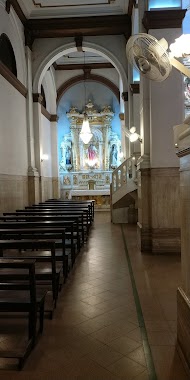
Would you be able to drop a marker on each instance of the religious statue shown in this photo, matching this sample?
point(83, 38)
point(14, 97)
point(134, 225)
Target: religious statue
point(113, 158)
point(68, 156)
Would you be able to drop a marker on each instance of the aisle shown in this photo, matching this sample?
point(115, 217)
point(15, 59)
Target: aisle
point(95, 333)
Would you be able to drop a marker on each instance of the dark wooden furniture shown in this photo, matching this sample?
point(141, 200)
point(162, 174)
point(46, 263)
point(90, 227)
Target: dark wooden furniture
point(21, 297)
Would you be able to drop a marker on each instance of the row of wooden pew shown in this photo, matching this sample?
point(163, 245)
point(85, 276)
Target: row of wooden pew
point(38, 248)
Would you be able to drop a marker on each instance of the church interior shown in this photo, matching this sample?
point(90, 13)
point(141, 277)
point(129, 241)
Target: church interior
point(94, 189)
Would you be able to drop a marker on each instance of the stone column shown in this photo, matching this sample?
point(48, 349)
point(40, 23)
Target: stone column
point(33, 174)
point(158, 209)
point(54, 158)
point(106, 153)
point(143, 163)
point(37, 99)
point(125, 143)
point(182, 138)
point(101, 155)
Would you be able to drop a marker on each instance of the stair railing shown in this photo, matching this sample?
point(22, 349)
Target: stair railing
point(125, 172)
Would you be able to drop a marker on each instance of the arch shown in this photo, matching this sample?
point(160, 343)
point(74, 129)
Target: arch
point(91, 77)
point(11, 26)
point(71, 47)
point(7, 56)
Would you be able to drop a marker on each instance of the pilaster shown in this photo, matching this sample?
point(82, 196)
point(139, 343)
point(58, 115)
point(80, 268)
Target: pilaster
point(182, 139)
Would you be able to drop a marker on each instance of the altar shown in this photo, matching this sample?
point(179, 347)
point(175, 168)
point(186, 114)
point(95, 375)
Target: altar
point(85, 170)
point(101, 197)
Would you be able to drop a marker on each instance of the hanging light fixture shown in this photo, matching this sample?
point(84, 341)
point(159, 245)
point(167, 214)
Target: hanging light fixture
point(85, 133)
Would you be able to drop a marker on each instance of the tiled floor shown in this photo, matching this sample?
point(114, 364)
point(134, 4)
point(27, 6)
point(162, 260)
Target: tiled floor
point(95, 333)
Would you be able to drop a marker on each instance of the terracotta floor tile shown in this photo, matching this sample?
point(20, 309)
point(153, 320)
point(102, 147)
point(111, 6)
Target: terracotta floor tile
point(126, 368)
point(124, 345)
point(94, 334)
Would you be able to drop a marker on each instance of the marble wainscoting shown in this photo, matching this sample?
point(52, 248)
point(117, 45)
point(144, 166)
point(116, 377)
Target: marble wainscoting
point(46, 188)
point(144, 210)
point(13, 192)
point(33, 190)
point(55, 187)
point(158, 210)
point(183, 327)
point(165, 194)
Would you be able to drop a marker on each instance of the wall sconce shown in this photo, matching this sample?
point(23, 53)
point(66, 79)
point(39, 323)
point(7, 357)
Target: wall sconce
point(44, 157)
point(133, 135)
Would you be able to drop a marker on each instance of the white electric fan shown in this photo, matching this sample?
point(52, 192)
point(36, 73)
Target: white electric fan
point(151, 58)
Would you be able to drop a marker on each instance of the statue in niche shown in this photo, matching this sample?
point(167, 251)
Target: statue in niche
point(68, 155)
point(113, 156)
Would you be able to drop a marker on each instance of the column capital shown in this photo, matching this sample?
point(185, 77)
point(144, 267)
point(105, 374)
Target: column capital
point(37, 98)
point(54, 118)
point(135, 88)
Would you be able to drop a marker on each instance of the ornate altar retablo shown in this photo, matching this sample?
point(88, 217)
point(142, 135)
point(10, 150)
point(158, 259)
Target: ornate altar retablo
point(89, 166)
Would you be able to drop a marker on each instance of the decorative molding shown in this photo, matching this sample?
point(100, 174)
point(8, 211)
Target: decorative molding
point(37, 98)
point(135, 88)
point(183, 152)
point(166, 240)
point(132, 4)
point(45, 113)
point(92, 77)
point(81, 66)
point(39, 4)
point(54, 118)
point(77, 26)
point(17, 9)
point(165, 172)
point(163, 19)
point(10, 77)
point(125, 96)
point(145, 172)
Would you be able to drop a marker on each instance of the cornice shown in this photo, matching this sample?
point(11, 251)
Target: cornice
point(77, 27)
point(37, 98)
point(81, 66)
point(48, 115)
point(163, 19)
point(10, 77)
point(17, 8)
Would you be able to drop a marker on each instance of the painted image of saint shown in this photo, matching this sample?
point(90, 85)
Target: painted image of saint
point(92, 152)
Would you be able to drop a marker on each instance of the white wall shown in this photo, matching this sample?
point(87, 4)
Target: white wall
point(45, 146)
point(13, 28)
point(13, 140)
point(167, 104)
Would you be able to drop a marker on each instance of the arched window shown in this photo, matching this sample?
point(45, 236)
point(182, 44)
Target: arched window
point(7, 56)
point(44, 97)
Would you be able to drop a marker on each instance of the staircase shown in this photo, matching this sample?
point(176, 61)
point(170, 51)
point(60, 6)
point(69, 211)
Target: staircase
point(124, 193)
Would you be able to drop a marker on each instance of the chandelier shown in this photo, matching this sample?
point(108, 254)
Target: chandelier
point(85, 133)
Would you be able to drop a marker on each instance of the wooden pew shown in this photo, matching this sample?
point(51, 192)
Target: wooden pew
point(42, 274)
point(30, 222)
point(54, 233)
point(19, 297)
point(74, 202)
